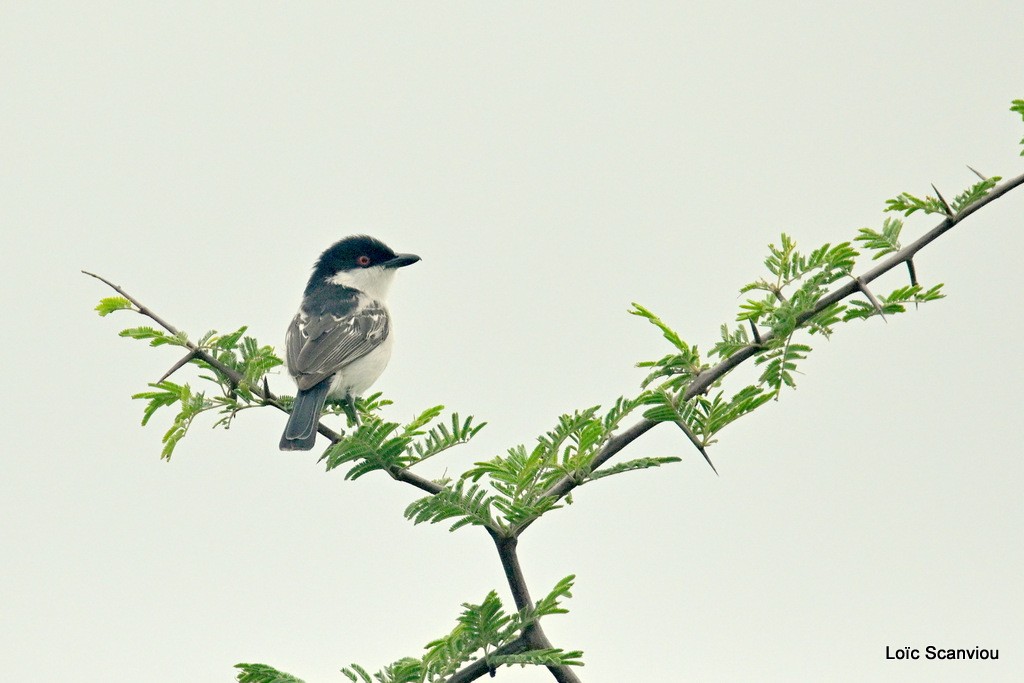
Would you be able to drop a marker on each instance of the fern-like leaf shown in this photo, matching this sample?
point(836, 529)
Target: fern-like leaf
point(155, 337)
point(732, 341)
point(372, 447)
point(885, 242)
point(907, 204)
point(469, 503)
point(109, 304)
point(546, 657)
point(261, 673)
point(632, 466)
point(974, 193)
point(440, 437)
point(356, 674)
point(780, 364)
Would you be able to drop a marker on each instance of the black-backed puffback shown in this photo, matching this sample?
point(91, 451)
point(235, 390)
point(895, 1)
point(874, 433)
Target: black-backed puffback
point(340, 340)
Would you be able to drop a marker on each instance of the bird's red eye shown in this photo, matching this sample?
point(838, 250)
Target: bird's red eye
point(363, 261)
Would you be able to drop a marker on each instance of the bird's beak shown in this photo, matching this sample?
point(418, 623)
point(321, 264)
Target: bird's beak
point(401, 260)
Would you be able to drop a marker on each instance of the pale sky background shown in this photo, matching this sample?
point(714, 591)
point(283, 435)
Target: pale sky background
point(550, 162)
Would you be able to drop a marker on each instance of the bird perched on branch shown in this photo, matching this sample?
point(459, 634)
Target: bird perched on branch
point(340, 340)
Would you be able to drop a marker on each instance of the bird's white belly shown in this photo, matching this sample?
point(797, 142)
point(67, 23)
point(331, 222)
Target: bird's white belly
point(358, 376)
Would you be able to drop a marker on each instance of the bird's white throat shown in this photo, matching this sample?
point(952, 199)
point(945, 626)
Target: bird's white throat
point(374, 282)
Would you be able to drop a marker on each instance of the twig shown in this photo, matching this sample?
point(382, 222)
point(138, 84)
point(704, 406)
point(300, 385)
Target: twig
point(402, 474)
point(235, 377)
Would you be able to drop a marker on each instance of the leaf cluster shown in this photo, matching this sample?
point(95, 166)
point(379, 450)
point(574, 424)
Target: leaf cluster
point(519, 481)
point(190, 404)
point(886, 241)
point(378, 444)
point(484, 630)
point(824, 265)
point(907, 203)
point(799, 282)
point(467, 503)
point(791, 305)
point(507, 492)
point(108, 305)
point(261, 673)
point(794, 301)
point(704, 415)
point(1018, 106)
point(231, 394)
point(681, 366)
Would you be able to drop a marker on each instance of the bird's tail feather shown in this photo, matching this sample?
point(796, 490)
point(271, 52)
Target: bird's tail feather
point(300, 432)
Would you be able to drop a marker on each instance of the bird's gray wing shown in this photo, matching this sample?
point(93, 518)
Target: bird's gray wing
point(318, 345)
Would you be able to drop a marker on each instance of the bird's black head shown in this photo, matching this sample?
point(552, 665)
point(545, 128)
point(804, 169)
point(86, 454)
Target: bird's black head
point(357, 253)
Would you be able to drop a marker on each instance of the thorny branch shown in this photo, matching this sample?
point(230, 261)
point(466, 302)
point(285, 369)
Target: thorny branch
point(705, 379)
point(533, 636)
point(268, 397)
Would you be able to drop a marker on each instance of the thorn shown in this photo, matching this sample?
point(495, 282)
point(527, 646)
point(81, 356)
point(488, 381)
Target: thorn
point(913, 277)
point(757, 335)
point(913, 271)
point(975, 172)
point(945, 205)
point(697, 444)
point(871, 297)
point(177, 366)
point(266, 387)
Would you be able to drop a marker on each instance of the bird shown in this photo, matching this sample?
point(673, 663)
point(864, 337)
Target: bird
point(340, 340)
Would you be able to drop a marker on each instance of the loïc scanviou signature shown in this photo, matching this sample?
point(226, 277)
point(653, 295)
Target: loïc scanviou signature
point(935, 652)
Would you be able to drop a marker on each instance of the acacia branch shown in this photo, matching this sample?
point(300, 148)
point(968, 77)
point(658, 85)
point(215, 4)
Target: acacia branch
point(702, 382)
point(532, 637)
point(261, 390)
point(506, 546)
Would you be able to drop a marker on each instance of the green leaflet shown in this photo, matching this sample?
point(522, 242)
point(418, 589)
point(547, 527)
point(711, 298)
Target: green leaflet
point(113, 303)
